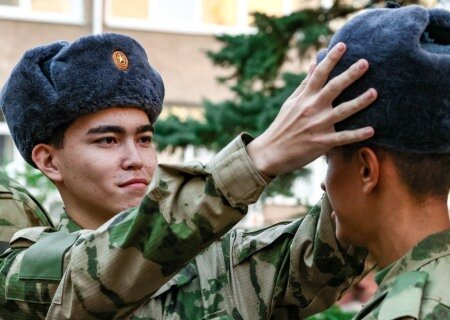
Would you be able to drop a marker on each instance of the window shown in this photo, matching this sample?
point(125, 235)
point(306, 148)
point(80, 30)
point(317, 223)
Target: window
point(220, 12)
point(6, 150)
point(6, 144)
point(191, 16)
point(133, 9)
point(57, 11)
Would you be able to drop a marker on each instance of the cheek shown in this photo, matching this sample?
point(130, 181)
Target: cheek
point(334, 189)
point(150, 163)
point(328, 181)
point(99, 171)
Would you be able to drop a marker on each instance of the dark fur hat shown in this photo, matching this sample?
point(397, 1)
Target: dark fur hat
point(56, 83)
point(408, 50)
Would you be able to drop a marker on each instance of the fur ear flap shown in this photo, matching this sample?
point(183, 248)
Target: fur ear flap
point(38, 66)
point(27, 89)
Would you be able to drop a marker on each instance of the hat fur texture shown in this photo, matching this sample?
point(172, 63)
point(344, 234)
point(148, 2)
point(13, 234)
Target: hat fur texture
point(56, 83)
point(408, 50)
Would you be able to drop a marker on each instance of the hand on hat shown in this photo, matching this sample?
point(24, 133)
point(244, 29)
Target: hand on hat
point(304, 128)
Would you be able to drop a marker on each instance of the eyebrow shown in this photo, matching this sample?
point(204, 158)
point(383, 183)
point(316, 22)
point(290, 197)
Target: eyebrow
point(118, 129)
point(145, 128)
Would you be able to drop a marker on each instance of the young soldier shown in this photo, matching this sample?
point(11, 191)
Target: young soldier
point(399, 180)
point(83, 114)
point(18, 210)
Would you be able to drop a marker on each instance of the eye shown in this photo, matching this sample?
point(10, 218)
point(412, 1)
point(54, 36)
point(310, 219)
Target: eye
point(145, 139)
point(106, 141)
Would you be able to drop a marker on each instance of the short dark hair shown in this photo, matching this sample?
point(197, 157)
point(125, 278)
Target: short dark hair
point(57, 138)
point(423, 174)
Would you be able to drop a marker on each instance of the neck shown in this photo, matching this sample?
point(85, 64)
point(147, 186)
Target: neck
point(86, 217)
point(85, 221)
point(404, 222)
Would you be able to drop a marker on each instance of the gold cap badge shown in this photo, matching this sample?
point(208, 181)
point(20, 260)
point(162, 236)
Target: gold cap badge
point(120, 60)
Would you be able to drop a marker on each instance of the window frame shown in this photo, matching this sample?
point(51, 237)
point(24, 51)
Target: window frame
point(24, 12)
point(189, 27)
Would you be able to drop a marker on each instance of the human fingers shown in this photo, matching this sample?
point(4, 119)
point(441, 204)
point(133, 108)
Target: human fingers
point(348, 136)
point(303, 84)
point(323, 69)
point(346, 109)
point(336, 85)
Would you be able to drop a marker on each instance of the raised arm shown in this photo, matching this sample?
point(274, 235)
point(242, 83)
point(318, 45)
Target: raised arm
point(112, 269)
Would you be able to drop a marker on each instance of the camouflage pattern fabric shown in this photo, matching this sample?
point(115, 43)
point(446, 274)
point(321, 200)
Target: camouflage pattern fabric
point(140, 264)
point(113, 269)
point(287, 271)
point(18, 210)
point(416, 286)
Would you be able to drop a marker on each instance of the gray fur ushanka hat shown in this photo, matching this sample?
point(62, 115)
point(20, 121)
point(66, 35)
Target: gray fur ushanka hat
point(56, 83)
point(408, 50)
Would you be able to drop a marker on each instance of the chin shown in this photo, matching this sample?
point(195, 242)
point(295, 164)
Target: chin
point(136, 200)
point(342, 237)
point(342, 240)
point(352, 239)
point(131, 203)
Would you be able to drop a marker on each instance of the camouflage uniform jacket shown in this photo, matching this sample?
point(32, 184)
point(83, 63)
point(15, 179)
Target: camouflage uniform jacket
point(18, 210)
point(415, 287)
point(288, 271)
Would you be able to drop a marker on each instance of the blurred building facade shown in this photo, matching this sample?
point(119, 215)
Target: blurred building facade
point(176, 35)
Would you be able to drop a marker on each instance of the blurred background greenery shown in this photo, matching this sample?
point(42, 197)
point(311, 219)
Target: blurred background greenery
point(256, 65)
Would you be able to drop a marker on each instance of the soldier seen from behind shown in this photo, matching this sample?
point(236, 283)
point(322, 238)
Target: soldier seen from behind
point(389, 193)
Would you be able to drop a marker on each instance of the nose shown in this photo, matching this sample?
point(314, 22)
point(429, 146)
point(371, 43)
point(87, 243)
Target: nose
point(322, 185)
point(132, 159)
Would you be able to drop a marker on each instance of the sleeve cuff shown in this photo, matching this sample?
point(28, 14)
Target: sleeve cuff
point(235, 175)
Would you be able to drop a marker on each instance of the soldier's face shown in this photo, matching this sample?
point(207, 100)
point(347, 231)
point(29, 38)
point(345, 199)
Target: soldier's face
point(343, 186)
point(107, 162)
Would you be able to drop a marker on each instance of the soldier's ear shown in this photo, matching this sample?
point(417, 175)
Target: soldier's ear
point(43, 156)
point(369, 172)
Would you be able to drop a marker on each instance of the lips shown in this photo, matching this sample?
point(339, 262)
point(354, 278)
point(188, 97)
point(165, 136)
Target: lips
point(134, 181)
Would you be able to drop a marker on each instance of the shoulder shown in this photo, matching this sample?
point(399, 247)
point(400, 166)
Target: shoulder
point(29, 281)
point(18, 210)
point(436, 295)
point(18, 207)
point(10, 188)
point(419, 294)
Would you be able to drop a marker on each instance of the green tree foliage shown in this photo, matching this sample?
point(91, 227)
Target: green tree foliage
point(257, 79)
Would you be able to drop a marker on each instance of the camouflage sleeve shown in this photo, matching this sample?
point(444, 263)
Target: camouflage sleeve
point(294, 269)
point(437, 310)
point(18, 210)
point(118, 266)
